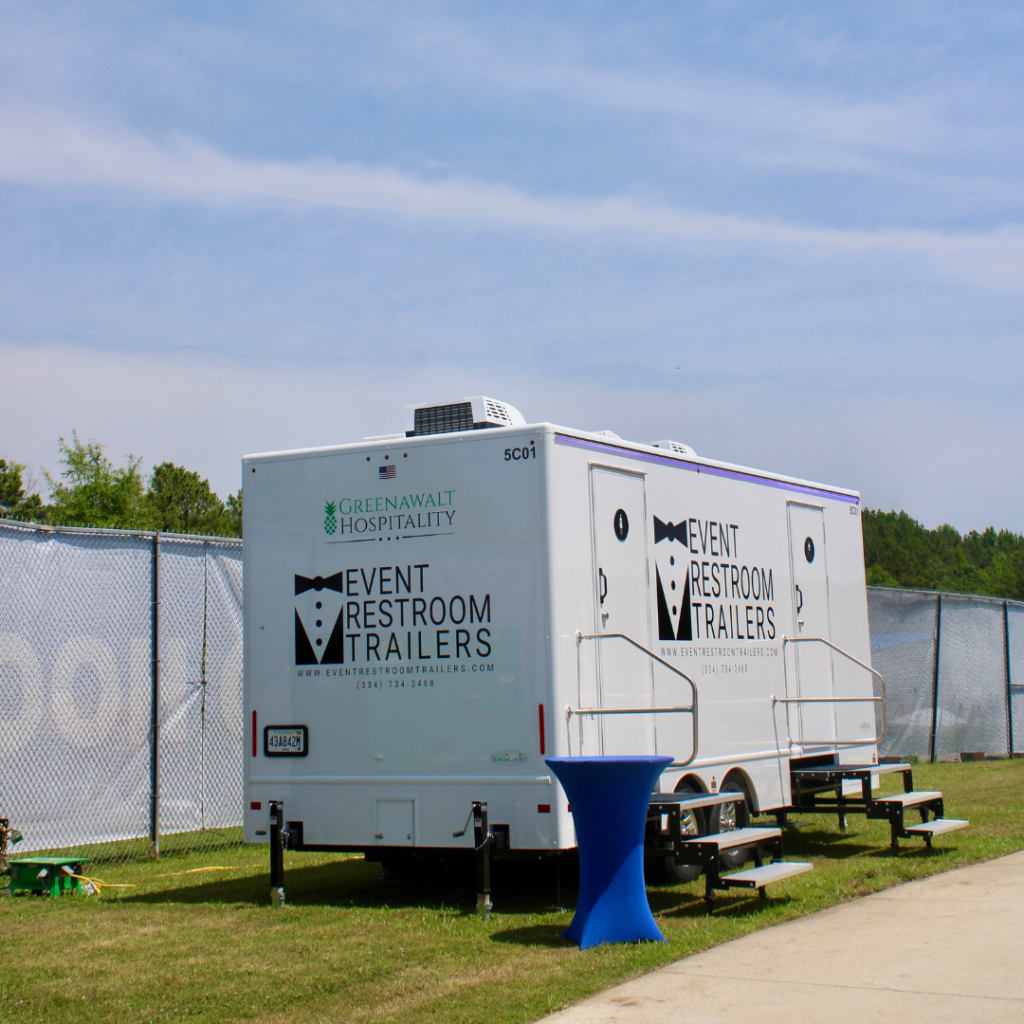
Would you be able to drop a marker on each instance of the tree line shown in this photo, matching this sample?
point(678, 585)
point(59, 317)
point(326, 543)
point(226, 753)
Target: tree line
point(89, 490)
point(900, 552)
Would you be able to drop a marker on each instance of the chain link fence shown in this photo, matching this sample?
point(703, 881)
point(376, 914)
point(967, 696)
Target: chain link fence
point(120, 690)
point(121, 686)
point(954, 668)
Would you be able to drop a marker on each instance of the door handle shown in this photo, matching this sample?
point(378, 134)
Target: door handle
point(602, 584)
point(800, 605)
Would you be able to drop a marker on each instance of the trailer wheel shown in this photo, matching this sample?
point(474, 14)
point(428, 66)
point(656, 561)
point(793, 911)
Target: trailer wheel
point(726, 818)
point(667, 870)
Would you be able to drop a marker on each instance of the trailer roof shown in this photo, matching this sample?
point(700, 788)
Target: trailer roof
point(583, 439)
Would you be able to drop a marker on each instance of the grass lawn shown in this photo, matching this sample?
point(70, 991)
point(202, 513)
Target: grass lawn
point(192, 945)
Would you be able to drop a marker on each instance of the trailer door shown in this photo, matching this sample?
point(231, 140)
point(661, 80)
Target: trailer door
point(812, 724)
point(619, 534)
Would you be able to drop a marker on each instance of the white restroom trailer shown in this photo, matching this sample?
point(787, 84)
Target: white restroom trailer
point(421, 612)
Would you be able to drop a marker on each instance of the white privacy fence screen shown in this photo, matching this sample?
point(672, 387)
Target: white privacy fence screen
point(121, 685)
point(120, 688)
point(954, 668)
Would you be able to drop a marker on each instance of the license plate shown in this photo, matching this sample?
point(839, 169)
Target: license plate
point(285, 741)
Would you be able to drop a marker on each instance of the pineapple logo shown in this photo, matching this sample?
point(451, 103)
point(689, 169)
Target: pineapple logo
point(330, 520)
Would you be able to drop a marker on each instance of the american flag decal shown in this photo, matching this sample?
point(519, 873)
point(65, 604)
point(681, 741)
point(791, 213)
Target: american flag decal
point(386, 472)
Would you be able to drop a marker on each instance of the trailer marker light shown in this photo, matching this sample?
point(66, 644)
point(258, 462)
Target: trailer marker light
point(256, 805)
point(540, 715)
point(543, 808)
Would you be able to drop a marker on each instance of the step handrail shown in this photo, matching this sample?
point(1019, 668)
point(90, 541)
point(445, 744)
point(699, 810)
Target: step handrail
point(581, 713)
point(831, 700)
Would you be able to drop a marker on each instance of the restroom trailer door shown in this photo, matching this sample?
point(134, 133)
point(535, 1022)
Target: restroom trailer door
point(619, 539)
point(813, 724)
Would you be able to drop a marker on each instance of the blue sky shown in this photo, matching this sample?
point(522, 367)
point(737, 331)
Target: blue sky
point(789, 236)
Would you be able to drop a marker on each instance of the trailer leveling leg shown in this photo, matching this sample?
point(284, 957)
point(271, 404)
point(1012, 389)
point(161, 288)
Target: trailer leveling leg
point(278, 841)
point(482, 848)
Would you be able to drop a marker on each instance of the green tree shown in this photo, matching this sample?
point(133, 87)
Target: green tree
point(181, 502)
point(14, 502)
point(92, 491)
point(900, 552)
point(235, 512)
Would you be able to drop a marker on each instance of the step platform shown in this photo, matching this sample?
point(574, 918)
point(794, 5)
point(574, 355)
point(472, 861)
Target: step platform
point(811, 784)
point(673, 806)
point(847, 771)
point(893, 806)
point(707, 851)
point(909, 800)
point(692, 801)
point(737, 838)
point(929, 829)
point(758, 878)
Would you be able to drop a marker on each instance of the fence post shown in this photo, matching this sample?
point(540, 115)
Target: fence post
point(1009, 682)
point(935, 681)
point(154, 815)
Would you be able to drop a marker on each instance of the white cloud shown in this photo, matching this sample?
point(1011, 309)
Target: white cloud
point(940, 462)
point(45, 147)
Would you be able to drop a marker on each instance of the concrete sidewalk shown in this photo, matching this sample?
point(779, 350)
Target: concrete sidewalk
point(947, 948)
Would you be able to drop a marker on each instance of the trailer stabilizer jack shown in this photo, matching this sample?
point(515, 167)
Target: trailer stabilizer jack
point(483, 839)
point(278, 842)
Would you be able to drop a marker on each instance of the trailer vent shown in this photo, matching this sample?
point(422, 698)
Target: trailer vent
point(676, 447)
point(479, 413)
point(443, 419)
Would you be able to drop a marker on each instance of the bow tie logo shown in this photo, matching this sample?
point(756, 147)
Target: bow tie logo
point(335, 583)
point(312, 651)
point(663, 531)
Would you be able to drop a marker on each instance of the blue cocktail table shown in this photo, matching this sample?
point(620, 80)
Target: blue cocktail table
point(609, 798)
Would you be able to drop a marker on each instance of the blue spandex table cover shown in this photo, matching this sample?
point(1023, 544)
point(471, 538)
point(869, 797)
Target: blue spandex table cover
point(609, 798)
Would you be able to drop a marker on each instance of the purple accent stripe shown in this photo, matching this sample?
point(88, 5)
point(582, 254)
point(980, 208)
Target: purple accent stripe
point(818, 492)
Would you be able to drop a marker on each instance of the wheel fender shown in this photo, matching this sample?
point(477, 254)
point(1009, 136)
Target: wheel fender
point(742, 779)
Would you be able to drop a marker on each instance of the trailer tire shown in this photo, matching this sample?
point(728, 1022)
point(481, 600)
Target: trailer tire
point(667, 870)
point(726, 818)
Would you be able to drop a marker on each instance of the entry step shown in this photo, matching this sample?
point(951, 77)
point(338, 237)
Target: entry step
point(913, 799)
point(737, 837)
point(691, 801)
point(757, 878)
point(849, 770)
point(937, 827)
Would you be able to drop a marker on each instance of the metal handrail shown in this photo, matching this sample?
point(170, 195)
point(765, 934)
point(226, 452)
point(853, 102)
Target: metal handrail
point(831, 700)
point(690, 709)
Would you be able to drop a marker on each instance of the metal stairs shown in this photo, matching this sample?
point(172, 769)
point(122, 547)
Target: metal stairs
point(706, 851)
point(811, 784)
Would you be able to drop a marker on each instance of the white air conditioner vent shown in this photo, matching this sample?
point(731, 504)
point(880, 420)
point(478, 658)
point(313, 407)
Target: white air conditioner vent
point(608, 433)
point(675, 446)
point(477, 413)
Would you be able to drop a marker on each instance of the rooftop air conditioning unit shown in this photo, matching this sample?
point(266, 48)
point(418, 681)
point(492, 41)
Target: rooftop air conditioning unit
point(676, 447)
point(479, 413)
